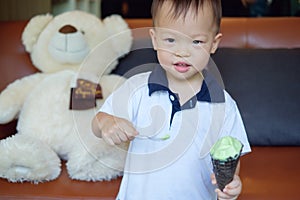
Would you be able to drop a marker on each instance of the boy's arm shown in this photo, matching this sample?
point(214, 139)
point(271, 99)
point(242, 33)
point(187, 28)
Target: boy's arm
point(233, 126)
point(113, 130)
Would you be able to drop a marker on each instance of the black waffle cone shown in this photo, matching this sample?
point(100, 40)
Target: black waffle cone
point(224, 171)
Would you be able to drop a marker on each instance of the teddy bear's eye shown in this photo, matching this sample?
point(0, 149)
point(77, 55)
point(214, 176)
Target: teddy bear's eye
point(82, 32)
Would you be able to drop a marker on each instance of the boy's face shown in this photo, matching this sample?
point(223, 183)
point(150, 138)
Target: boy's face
point(184, 45)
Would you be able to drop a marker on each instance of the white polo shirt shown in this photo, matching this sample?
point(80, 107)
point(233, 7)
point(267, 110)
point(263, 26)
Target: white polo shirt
point(178, 167)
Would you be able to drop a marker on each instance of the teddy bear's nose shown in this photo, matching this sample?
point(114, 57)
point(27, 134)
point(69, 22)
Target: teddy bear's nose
point(68, 45)
point(67, 29)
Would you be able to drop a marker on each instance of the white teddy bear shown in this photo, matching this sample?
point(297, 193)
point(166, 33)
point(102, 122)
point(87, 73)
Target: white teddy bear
point(55, 107)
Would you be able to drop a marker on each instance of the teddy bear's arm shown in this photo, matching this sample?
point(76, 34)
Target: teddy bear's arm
point(14, 95)
point(109, 83)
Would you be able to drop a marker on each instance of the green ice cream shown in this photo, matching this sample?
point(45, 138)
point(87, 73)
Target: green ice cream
point(226, 147)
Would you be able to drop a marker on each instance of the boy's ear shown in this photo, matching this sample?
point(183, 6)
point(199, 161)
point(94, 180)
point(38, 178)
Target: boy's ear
point(216, 42)
point(153, 38)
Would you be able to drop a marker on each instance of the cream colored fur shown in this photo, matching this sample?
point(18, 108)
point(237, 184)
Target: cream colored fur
point(47, 130)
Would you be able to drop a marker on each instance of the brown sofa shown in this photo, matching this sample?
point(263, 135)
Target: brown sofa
point(271, 171)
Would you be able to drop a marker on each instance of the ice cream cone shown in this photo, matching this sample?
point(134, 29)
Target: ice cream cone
point(225, 156)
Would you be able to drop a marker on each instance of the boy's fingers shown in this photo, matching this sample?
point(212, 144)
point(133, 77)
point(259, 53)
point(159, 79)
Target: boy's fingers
point(131, 134)
point(213, 179)
point(117, 137)
point(232, 185)
point(129, 131)
point(234, 188)
point(235, 183)
point(111, 138)
point(222, 195)
point(108, 141)
point(231, 190)
point(123, 137)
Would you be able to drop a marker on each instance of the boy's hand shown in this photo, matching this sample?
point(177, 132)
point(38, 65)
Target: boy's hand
point(113, 130)
point(231, 190)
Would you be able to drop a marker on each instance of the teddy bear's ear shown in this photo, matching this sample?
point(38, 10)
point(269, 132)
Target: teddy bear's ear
point(118, 28)
point(33, 29)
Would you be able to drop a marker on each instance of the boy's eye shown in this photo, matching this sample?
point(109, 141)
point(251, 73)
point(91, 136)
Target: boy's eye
point(197, 42)
point(170, 40)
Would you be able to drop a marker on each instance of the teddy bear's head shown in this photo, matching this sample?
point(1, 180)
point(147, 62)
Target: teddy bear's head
point(64, 41)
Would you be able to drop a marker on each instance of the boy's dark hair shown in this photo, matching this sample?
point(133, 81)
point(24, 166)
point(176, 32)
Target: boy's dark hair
point(181, 7)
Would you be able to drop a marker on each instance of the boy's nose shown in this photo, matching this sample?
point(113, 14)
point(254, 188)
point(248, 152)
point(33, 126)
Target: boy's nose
point(182, 53)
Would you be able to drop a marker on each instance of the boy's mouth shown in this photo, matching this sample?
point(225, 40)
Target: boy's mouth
point(182, 67)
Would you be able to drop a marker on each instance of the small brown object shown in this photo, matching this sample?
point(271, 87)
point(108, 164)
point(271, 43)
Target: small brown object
point(84, 95)
point(68, 29)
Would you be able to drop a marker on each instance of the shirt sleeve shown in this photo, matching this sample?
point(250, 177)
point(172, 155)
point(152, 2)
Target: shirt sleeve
point(118, 103)
point(234, 126)
point(123, 102)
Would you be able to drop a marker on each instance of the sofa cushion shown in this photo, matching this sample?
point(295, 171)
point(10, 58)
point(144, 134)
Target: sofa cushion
point(266, 85)
point(264, 82)
point(141, 58)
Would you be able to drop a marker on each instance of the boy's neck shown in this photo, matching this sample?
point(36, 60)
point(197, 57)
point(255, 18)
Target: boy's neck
point(186, 89)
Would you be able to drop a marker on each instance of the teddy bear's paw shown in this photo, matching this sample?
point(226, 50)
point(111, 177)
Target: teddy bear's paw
point(7, 114)
point(8, 108)
point(92, 169)
point(20, 173)
point(96, 172)
point(24, 173)
point(23, 158)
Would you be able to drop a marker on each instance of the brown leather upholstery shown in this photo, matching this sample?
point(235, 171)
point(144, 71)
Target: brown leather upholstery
point(267, 173)
point(251, 32)
point(262, 33)
point(270, 173)
point(61, 188)
point(237, 33)
point(14, 61)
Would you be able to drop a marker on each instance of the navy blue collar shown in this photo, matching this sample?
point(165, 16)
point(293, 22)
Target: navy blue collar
point(210, 90)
